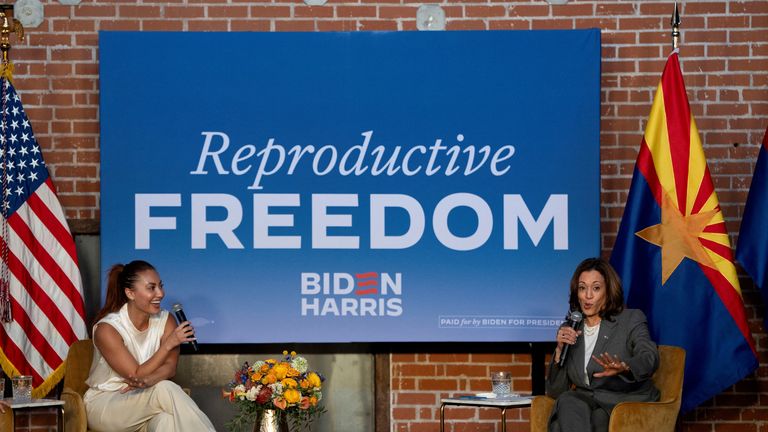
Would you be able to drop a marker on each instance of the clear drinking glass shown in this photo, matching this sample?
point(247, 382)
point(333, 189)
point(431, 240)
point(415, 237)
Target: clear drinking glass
point(22, 388)
point(501, 382)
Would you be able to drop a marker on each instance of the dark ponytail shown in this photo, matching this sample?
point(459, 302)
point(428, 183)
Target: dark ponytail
point(119, 278)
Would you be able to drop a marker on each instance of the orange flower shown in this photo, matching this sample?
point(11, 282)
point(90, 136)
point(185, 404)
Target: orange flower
point(280, 370)
point(292, 396)
point(313, 400)
point(304, 383)
point(289, 383)
point(279, 402)
point(269, 379)
point(228, 395)
point(304, 403)
point(314, 380)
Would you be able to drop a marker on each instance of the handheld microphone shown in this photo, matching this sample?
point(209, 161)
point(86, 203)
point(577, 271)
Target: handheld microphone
point(180, 317)
point(573, 321)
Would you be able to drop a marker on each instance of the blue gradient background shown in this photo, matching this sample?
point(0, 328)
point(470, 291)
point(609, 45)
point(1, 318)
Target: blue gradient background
point(536, 90)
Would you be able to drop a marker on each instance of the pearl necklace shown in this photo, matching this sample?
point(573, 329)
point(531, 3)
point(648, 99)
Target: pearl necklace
point(590, 331)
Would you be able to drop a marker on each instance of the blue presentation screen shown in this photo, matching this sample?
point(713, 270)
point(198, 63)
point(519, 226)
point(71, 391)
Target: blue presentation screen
point(354, 187)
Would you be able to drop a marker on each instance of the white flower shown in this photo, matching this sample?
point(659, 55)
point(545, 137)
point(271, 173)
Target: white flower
point(238, 390)
point(300, 364)
point(277, 388)
point(256, 366)
point(252, 393)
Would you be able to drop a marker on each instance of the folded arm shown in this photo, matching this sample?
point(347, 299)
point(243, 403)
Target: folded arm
point(162, 364)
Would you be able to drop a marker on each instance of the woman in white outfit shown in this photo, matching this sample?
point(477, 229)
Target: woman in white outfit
point(137, 347)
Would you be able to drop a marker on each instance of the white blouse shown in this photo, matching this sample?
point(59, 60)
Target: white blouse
point(590, 339)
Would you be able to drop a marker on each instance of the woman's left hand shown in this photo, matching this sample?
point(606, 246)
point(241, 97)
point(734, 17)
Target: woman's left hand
point(612, 365)
point(134, 383)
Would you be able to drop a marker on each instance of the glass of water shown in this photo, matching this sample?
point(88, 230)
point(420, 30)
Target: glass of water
point(22, 388)
point(501, 383)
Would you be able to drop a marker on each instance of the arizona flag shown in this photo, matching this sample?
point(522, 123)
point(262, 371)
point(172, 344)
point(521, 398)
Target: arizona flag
point(752, 248)
point(673, 253)
point(41, 295)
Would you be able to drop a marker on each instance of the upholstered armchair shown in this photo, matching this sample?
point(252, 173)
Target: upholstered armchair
point(75, 373)
point(636, 416)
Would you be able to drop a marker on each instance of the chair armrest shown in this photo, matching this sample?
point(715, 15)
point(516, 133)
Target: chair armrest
point(75, 418)
point(541, 408)
point(651, 416)
point(6, 420)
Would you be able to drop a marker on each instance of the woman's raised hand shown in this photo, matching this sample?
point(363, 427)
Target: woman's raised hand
point(612, 365)
point(184, 332)
point(566, 335)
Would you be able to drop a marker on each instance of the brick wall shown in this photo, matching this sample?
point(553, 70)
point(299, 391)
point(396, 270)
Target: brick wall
point(724, 59)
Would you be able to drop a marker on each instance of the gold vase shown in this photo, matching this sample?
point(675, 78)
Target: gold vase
point(270, 421)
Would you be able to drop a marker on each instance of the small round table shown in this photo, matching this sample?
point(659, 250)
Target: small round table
point(483, 402)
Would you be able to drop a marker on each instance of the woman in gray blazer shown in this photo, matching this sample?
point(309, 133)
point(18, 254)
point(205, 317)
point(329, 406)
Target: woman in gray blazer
point(611, 357)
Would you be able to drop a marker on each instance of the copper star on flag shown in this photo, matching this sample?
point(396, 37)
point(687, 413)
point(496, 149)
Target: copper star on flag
point(678, 237)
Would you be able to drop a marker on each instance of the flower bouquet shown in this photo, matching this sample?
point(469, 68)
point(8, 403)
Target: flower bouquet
point(286, 386)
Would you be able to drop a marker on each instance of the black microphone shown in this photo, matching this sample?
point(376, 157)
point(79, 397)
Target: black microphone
point(573, 321)
point(180, 317)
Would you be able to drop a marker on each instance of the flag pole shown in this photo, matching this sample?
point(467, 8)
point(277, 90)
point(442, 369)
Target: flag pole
point(675, 29)
point(8, 25)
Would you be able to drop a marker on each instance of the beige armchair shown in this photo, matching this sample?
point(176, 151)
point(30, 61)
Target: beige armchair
point(76, 372)
point(635, 416)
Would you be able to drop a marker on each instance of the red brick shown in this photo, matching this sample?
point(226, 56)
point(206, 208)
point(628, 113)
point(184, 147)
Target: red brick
point(74, 200)
point(134, 11)
point(644, 23)
point(208, 25)
point(83, 186)
point(614, 9)
point(601, 23)
point(250, 25)
point(86, 10)
point(74, 25)
point(382, 25)
point(749, 7)
point(472, 370)
point(573, 9)
point(449, 358)
point(119, 25)
point(438, 384)
point(509, 24)
point(485, 11)
point(526, 11)
point(295, 25)
point(356, 11)
point(312, 12)
point(410, 398)
point(551, 24)
point(228, 11)
point(338, 25)
point(185, 11)
point(415, 369)
point(403, 413)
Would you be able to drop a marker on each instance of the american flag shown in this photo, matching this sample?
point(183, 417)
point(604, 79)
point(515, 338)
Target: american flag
point(41, 294)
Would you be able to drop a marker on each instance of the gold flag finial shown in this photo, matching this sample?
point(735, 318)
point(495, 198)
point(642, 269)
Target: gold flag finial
point(675, 28)
point(8, 25)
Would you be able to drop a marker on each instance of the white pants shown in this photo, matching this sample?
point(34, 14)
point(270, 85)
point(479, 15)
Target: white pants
point(162, 407)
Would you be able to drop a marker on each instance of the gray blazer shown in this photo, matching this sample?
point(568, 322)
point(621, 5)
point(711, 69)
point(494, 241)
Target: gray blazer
point(625, 335)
